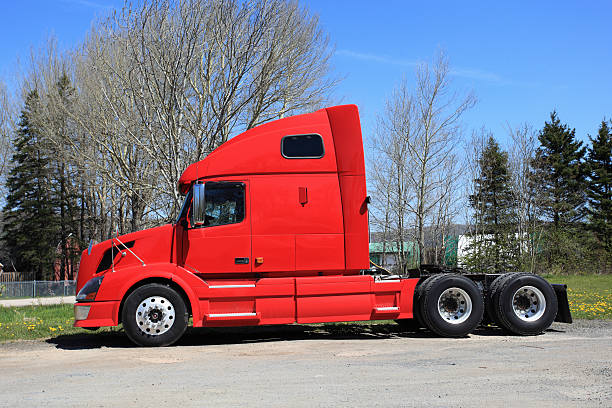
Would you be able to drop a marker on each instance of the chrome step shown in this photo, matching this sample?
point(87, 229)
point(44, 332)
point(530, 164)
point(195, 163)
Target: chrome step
point(387, 309)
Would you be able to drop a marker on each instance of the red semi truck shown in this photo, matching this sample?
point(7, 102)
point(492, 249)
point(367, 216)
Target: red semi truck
point(274, 230)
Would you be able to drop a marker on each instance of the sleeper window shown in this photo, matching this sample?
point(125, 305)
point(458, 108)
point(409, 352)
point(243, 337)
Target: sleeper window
point(302, 147)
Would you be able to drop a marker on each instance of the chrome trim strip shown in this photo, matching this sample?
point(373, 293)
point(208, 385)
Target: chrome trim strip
point(231, 314)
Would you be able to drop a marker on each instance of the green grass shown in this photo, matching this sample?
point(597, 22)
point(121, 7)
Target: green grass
point(36, 322)
point(590, 297)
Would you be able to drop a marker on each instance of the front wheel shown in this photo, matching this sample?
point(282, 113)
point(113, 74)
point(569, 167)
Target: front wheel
point(154, 315)
point(451, 305)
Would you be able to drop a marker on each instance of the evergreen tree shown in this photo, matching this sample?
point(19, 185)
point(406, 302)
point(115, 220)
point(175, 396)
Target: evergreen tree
point(558, 176)
point(559, 172)
point(63, 180)
point(493, 248)
point(599, 186)
point(30, 221)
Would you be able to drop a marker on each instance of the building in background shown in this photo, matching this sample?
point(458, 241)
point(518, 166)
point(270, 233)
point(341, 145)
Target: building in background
point(386, 254)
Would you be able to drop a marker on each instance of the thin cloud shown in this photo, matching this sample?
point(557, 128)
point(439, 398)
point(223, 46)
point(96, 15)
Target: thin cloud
point(468, 73)
point(383, 59)
point(476, 74)
point(87, 3)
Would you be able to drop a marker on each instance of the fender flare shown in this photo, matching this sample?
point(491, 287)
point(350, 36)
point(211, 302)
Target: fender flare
point(128, 279)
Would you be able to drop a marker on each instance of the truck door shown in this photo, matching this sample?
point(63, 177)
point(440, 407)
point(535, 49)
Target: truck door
point(223, 244)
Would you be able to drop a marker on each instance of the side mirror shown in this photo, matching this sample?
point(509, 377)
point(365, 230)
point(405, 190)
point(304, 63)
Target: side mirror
point(198, 209)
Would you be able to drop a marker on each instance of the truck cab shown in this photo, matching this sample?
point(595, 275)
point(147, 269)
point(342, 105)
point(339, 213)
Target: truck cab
point(273, 230)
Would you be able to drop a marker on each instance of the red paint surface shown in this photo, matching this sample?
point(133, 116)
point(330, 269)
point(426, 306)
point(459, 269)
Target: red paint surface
point(306, 220)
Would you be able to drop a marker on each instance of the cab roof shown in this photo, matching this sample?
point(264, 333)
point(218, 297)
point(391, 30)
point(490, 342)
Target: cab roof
point(258, 150)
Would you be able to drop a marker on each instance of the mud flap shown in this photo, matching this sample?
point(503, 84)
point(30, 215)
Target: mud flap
point(563, 311)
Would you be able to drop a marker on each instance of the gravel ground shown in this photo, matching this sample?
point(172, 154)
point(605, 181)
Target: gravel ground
point(309, 366)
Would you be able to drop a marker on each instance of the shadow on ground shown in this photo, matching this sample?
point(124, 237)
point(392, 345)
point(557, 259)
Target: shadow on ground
point(258, 334)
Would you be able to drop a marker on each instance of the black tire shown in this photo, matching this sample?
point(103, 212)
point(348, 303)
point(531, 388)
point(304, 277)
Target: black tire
point(518, 304)
point(154, 315)
point(493, 289)
point(462, 313)
point(416, 302)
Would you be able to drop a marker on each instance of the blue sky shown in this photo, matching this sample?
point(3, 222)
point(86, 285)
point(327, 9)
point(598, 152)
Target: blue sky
point(521, 59)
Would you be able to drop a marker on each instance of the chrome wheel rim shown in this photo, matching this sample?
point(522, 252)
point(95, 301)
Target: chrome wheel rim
point(155, 315)
point(454, 305)
point(528, 303)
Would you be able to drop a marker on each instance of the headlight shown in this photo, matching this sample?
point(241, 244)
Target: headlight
point(90, 290)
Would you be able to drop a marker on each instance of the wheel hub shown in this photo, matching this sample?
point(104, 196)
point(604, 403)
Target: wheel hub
point(528, 303)
point(155, 315)
point(454, 305)
point(450, 304)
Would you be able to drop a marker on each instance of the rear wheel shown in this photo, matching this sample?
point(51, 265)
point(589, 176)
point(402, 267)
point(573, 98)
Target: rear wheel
point(154, 315)
point(525, 304)
point(451, 305)
point(493, 289)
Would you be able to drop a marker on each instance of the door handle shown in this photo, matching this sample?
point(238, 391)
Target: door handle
point(303, 193)
point(241, 261)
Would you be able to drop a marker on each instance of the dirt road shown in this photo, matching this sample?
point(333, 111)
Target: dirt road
point(310, 366)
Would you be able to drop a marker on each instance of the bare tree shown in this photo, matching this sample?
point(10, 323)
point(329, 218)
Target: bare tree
point(528, 229)
point(390, 167)
point(431, 146)
point(160, 84)
point(175, 80)
point(7, 116)
point(419, 133)
point(445, 211)
point(386, 216)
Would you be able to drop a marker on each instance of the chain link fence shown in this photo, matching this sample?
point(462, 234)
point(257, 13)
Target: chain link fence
point(37, 289)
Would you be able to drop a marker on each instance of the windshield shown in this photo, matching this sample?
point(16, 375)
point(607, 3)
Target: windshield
point(184, 207)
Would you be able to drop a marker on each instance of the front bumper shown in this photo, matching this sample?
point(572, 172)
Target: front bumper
point(96, 314)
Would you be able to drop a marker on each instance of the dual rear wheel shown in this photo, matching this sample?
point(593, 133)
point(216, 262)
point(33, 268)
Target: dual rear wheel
point(522, 303)
point(450, 305)
point(453, 305)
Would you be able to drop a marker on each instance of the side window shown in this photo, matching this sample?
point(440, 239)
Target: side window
point(224, 203)
point(302, 147)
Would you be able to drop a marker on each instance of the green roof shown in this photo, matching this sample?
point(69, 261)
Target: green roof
point(391, 247)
